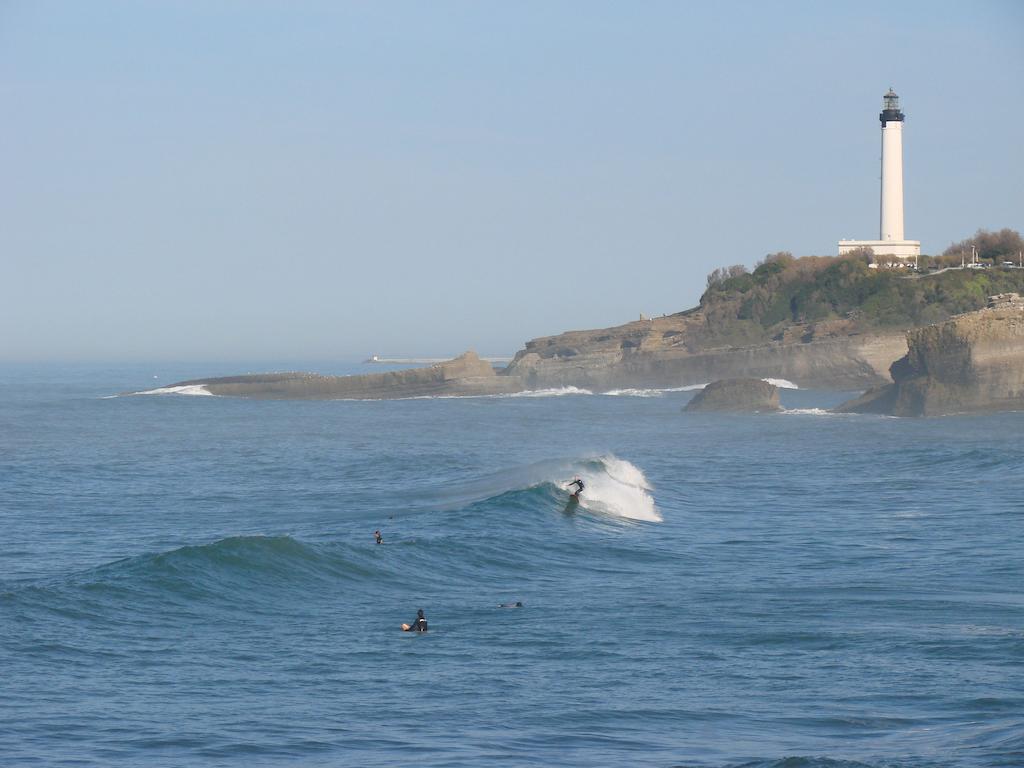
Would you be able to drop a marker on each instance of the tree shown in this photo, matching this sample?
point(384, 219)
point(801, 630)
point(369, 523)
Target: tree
point(781, 258)
point(863, 253)
point(722, 274)
point(999, 246)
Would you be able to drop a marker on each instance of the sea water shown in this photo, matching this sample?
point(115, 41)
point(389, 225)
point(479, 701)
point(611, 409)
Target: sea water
point(193, 581)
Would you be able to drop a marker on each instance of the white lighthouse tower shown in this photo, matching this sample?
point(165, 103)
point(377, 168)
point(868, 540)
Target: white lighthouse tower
point(891, 228)
point(890, 248)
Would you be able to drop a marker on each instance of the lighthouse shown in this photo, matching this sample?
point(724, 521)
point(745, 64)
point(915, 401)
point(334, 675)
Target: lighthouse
point(890, 249)
point(891, 227)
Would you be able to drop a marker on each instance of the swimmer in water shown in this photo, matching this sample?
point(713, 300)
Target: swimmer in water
point(419, 625)
point(516, 604)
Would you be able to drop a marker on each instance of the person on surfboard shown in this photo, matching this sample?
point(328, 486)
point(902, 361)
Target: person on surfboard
point(579, 483)
point(419, 625)
point(380, 539)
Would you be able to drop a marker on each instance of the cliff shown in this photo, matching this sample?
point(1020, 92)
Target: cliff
point(971, 363)
point(736, 395)
point(674, 351)
point(465, 375)
point(822, 322)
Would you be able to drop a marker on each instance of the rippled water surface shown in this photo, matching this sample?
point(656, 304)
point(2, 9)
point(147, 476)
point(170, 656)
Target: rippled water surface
point(194, 581)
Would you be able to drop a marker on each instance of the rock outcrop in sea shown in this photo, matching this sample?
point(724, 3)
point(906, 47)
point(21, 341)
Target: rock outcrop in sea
point(968, 364)
point(736, 395)
point(465, 375)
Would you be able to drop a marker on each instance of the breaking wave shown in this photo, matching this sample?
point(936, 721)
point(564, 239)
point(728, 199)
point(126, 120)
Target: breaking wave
point(614, 487)
point(617, 487)
point(659, 391)
point(781, 383)
point(834, 414)
point(653, 392)
point(183, 389)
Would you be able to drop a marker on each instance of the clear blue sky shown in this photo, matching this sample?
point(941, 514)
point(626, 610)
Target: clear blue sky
point(224, 180)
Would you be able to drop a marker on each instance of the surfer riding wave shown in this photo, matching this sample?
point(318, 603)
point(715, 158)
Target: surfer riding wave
point(603, 484)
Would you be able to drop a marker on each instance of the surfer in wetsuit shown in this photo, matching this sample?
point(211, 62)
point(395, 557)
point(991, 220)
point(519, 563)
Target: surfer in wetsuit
point(579, 483)
point(380, 539)
point(420, 625)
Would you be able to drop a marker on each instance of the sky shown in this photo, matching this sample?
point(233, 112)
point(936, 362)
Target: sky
point(220, 180)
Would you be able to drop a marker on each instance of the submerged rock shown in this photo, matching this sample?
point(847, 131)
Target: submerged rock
point(970, 363)
point(736, 395)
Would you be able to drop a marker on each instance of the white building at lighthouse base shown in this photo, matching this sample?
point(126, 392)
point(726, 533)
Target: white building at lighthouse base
point(888, 253)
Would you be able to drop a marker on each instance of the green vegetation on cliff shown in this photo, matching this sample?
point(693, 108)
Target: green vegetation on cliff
point(838, 295)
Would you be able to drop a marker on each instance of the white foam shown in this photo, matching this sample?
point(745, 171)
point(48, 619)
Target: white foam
point(782, 383)
point(185, 389)
point(551, 392)
point(654, 392)
point(826, 412)
point(634, 392)
point(659, 391)
point(621, 490)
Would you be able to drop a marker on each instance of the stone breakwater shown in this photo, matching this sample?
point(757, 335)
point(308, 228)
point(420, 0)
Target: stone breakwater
point(970, 363)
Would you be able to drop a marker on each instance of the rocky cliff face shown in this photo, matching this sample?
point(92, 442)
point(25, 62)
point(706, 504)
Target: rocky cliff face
point(465, 375)
point(970, 363)
point(736, 395)
point(673, 351)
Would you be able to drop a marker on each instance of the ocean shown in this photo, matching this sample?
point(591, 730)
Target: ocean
point(194, 581)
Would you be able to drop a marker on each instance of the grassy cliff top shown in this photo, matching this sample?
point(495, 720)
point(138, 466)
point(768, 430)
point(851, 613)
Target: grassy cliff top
point(840, 294)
